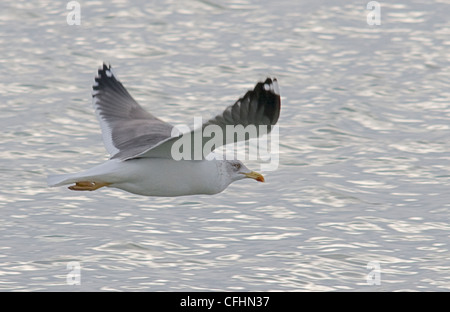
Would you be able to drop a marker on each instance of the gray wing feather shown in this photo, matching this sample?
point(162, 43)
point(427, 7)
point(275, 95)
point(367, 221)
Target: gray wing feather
point(258, 107)
point(128, 130)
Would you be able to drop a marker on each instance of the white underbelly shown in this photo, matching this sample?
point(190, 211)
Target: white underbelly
point(165, 177)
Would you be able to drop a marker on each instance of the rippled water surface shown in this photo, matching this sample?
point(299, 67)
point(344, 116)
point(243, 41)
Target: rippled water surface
point(360, 200)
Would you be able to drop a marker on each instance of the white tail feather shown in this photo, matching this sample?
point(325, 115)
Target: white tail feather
point(61, 179)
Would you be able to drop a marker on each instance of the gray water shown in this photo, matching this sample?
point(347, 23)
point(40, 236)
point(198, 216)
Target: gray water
point(360, 200)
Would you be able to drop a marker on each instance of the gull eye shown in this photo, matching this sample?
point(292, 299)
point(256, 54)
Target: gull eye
point(237, 166)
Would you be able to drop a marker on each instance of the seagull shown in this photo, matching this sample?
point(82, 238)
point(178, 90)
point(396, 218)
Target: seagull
point(141, 145)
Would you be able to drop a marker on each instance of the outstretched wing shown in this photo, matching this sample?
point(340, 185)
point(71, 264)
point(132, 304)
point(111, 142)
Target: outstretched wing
point(258, 107)
point(127, 129)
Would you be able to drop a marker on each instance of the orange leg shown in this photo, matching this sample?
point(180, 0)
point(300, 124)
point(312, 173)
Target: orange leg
point(88, 186)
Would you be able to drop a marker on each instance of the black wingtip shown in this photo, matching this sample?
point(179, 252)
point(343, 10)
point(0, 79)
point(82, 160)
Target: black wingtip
point(102, 71)
point(104, 78)
point(268, 94)
point(105, 68)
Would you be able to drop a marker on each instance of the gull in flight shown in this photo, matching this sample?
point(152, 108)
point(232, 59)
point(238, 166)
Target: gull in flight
point(141, 144)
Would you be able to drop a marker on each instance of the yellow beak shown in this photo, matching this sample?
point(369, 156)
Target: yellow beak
point(255, 175)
